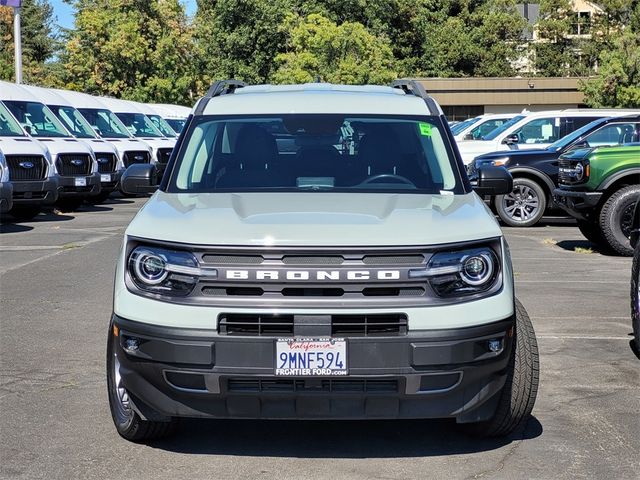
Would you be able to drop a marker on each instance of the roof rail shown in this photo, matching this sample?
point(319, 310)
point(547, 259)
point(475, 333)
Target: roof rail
point(413, 87)
point(222, 87)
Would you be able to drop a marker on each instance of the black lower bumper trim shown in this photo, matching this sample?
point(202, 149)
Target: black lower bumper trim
point(73, 186)
point(578, 204)
point(425, 374)
point(35, 192)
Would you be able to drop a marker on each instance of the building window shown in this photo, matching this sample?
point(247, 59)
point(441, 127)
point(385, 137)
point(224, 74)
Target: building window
point(581, 24)
point(462, 112)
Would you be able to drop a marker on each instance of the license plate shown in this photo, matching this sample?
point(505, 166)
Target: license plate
point(311, 357)
point(105, 177)
point(81, 182)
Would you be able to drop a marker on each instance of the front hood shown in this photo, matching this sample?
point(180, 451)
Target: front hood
point(64, 145)
point(99, 146)
point(128, 144)
point(21, 146)
point(159, 142)
point(469, 149)
point(314, 219)
point(516, 156)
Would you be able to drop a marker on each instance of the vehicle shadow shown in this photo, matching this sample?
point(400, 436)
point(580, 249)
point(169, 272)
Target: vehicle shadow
point(572, 245)
point(332, 439)
point(10, 224)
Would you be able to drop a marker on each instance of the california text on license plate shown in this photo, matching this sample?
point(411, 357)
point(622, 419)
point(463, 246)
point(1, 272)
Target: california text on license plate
point(311, 356)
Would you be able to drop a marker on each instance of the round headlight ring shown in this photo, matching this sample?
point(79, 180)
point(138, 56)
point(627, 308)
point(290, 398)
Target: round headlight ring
point(477, 269)
point(579, 171)
point(149, 268)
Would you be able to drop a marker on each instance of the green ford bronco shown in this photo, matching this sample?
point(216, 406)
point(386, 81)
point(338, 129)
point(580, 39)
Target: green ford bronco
point(599, 187)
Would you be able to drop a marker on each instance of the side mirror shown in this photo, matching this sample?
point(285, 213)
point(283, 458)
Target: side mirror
point(139, 178)
point(468, 136)
point(493, 181)
point(511, 140)
point(27, 128)
point(97, 130)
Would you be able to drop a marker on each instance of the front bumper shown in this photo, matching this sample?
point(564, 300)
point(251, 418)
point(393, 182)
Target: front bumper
point(35, 192)
point(69, 187)
point(109, 182)
point(578, 204)
point(424, 374)
point(6, 196)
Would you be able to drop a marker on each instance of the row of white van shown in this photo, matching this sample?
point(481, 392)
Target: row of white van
point(69, 147)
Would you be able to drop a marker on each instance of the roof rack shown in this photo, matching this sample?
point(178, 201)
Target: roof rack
point(223, 87)
point(413, 87)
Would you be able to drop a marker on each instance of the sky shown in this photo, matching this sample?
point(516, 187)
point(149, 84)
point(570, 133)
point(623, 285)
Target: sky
point(64, 12)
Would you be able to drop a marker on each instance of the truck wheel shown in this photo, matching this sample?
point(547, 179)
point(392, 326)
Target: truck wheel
point(616, 217)
point(635, 297)
point(524, 206)
point(128, 423)
point(23, 212)
point(591, 231)
point(521, 387)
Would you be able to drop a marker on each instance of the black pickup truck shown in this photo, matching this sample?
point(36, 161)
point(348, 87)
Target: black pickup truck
point(535, 171)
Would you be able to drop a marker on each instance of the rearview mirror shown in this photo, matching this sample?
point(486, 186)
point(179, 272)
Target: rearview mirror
point(139, 178)
point(493, 181)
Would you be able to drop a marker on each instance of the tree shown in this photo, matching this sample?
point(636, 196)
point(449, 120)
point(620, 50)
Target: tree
point(40, 43)
point(346, 53)
point(240, 38)
point(135, 49)
point(618, 82)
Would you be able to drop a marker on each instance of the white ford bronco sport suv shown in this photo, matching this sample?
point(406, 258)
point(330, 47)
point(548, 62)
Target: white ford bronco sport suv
point(316, 252)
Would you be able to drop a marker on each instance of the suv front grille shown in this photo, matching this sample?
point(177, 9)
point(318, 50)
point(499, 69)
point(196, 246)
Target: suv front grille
point(106, 162)
point(73, 164)
point(136, 156)
point(238, 324)
point(26, 167)
point(298, 385)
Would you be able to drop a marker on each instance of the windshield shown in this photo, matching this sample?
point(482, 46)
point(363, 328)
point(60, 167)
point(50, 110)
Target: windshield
point(502, 128)
point(36, 118)
point(161, 125)
point(74, 121)
point(105, 122)
point(139, 125)
point(177, 124)
point(316, 152)
point(569, 139)
point(8, 125)
point(459, 127)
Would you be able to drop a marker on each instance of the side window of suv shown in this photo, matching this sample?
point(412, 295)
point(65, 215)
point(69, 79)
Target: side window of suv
point(481, 130)
point(614, 134)
point(540, 130)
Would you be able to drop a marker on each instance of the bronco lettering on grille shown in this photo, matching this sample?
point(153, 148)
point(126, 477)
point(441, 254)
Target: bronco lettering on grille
point(318, 275)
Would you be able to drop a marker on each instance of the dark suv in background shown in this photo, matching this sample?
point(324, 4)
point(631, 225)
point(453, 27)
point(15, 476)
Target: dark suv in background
point(535, 171)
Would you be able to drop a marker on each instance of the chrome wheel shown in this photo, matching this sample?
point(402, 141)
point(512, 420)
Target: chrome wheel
point(522, 204)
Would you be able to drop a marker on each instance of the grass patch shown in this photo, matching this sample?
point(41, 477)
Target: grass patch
point(549, 241)
point(69, 246)
point(583, 250)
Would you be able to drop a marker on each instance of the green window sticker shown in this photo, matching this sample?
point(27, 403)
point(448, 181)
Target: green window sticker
point(425, 129)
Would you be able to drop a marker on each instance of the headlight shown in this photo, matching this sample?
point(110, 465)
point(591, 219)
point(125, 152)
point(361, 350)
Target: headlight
point(165, 272)
point(464, 272)
point(496, 162)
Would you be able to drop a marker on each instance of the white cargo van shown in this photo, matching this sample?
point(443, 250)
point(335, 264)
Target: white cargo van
point(29, 170)
point(109, 127)
point(110, 165)
point(74, 161)
point(174, 115)
point(141, 127)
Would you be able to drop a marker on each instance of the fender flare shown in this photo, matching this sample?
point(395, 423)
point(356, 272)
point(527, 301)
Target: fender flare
point(627, 172)
point(536, 173)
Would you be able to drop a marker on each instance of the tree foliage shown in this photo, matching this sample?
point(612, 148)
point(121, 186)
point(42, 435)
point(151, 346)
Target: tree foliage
point(346, 53)
point(40, 43)
point(134, 49)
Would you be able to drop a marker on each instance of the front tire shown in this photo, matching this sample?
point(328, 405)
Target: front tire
point(23, 213)
point(635, 297)
point(616, 217)
point(521, 387)
point(69, 205)
point(591, 231)
point(524, 206)
point(128, 423)
point(98, 199)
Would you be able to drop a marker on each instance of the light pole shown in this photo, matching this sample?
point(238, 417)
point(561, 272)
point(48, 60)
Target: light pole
point(17, 37)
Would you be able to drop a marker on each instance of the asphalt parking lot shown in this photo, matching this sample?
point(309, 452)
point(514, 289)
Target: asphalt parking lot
point(56, 280)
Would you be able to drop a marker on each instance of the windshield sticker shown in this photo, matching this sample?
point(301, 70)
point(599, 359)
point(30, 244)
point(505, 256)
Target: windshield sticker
point(425, 129)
